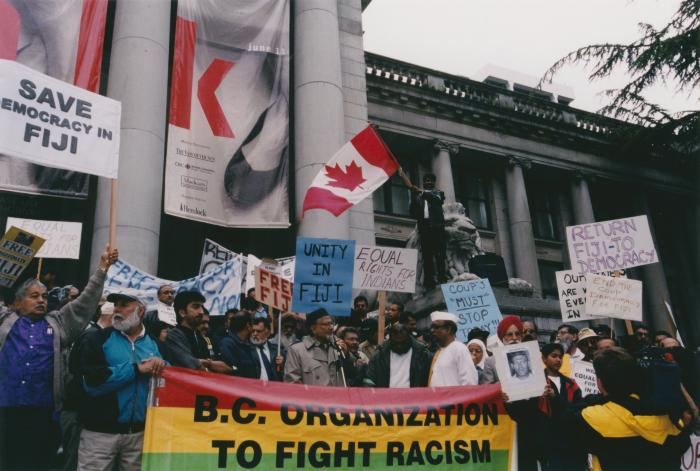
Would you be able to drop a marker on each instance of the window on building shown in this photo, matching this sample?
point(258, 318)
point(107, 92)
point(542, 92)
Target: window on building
point(473, 192)
point(548, 278)
point(393, 197)
point(544, 210)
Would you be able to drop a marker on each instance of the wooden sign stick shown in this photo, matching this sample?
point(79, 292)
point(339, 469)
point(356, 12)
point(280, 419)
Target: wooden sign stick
point(382, 308)
point(38, 270)
point(113, 215)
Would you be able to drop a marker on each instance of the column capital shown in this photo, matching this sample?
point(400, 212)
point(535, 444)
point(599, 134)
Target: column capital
point(525, 164)
point(451, 147)
point(583, 175)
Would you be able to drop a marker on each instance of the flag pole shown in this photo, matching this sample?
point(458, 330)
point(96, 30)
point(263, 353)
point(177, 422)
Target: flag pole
point(113, 214)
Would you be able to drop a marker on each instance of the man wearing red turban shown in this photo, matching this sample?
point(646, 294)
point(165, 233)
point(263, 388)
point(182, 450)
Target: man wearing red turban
point(510, 330)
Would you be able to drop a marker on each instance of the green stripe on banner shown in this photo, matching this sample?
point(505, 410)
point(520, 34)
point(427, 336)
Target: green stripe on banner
point(493, 460)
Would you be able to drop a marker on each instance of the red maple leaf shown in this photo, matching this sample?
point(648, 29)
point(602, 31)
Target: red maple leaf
point(349, 179)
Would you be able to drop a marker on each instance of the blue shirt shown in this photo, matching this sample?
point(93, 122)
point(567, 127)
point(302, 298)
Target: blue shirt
point(26, 365)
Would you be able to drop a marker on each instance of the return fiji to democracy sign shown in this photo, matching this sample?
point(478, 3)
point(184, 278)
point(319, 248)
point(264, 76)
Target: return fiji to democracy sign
point(610, 245)
point(323, 275)
point(474, 304)
point(221, 287)
point(385, 268)
point(53, 123)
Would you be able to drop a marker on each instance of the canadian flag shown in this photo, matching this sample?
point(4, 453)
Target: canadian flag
point(353, 173)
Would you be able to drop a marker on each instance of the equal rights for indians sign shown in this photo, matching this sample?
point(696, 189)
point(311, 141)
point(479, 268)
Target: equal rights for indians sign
point(205, 421)
point(53, 123)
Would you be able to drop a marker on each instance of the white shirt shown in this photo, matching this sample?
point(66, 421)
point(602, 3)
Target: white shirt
point(557, 382)
point(400, 369)
point(579, 355)
point(265, 351)
point(454, 367)
point(166, 314)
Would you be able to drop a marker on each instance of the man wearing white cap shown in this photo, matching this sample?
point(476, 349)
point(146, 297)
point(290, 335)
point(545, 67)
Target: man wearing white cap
point(452, 364)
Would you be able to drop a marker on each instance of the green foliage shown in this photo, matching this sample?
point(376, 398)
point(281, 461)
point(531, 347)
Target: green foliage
point(670, 53)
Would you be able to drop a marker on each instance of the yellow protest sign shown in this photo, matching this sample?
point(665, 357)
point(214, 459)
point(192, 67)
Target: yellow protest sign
point(17, 249)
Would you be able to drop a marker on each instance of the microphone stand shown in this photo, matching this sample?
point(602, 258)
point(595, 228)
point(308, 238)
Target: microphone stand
point(334, 339)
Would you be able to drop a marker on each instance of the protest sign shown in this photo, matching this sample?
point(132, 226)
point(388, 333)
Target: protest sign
point(690, 461)
point(206, 421)
point(385, 268)
point(323, 275)
point(62, 237)
point(214, 255)
point(610, 245)
point(614, 297)
point(17, 248)
point(50, 122)
point(584, 374)
point(519, 370)
point(166, 314)
point(572, 296)
point(474, 303)
point(273, 290)
point(221, 287)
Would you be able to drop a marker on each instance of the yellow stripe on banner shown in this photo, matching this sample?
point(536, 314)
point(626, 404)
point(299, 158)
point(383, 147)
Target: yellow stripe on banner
point(173, 430)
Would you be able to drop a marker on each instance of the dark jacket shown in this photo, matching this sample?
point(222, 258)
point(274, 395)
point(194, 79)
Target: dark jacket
point(276, 375)
point(435, 200)
point(240, 356)
point(116, 392)
point(625, 435)
point(185, 347)
point(378, 373)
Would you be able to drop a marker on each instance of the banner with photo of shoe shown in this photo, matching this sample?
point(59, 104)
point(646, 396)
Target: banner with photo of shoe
point(228, 134)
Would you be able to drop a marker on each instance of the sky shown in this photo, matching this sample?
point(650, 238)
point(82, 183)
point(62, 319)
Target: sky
point(462, 36)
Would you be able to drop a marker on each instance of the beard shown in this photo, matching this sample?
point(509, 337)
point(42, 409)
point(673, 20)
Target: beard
point(566, 344)
point(125, 325)
point(257, 341)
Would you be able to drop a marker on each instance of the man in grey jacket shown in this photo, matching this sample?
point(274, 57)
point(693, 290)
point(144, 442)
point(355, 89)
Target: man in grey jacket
point(33, 344)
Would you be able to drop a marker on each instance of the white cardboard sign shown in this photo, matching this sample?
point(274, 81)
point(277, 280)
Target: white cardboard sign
point(572, 295)
point(620, 298)
point(385, 268)
point(50, 122)
point(520, 371)
point(611, 245)
point(62, 237)
point(584, 375)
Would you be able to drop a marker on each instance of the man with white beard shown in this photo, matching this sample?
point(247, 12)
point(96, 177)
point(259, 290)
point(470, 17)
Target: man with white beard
point(116, 365)
point(271, 364)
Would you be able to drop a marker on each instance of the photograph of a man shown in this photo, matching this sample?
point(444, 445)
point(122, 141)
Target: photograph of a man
point(519, 365)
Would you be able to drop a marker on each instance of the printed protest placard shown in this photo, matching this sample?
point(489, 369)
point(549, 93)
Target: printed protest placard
point(385, 268)
point(323, 275)
point(17, 248)
point(519, 368)
point(214, 255)
point(474, 303)
point(610, 245)
point(584, 374)
point(620, 298)
point(50, 122)
point(221, 287)
point(62, 237)
point(273, 290)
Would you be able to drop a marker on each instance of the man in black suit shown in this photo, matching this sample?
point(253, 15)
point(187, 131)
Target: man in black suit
point(271, 364)
point(426, 207)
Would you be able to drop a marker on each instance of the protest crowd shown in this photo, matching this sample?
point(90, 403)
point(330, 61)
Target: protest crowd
point(75, 373)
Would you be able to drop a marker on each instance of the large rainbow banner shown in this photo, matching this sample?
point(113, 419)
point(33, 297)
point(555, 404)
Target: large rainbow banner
point(202, 421)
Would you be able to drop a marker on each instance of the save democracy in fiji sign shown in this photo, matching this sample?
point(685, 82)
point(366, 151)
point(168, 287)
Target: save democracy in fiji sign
point(207, 421)
point(50, 122)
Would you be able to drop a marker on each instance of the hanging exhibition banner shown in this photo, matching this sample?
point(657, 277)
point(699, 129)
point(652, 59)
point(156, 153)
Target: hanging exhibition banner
point(221, 287)
point(614, 297)
point(385, 268)
point(228, 134)
point(62, 237)
point(63, 39)
point(206, 421)
point(323, 275)
point(474, 304)
point(611, 245)
point(17, 249)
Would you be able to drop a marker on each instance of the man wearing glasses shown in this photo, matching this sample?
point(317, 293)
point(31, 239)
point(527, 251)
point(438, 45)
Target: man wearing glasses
point(452, 364)
point(319, 358)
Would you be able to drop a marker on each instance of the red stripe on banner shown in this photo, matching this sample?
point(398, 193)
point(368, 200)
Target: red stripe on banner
point(183, 68)
point(206, 92)
point(371, 147)
point(320, 198)
point(182, 387)
point(88, 61)
point(9, 31)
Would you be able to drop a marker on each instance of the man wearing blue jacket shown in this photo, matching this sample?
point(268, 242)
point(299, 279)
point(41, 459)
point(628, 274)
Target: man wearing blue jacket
point(116, 365)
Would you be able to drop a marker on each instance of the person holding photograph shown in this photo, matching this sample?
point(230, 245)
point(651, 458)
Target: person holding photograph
point(519, 363)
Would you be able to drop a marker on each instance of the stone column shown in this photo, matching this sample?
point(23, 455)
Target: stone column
point(581, 200)
point(442, 168)
point(319, 129)
point(138, 77)
point(521, 235)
